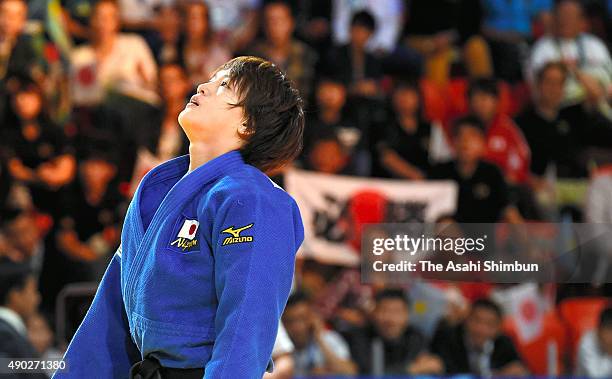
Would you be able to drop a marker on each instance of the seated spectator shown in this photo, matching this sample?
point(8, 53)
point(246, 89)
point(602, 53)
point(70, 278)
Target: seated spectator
point(279, 46)
point(332, 121)
point(174, 89)
point(17, 54)
point(19, 299)
point(477, 345)
point(508, 26)
point(76, 17)
point(112, 62)
point(21, 240)
point(585, 56)
point(390, 345)
point(200, 53)
point(317, 351)
point(38, 151)
point(42, 339)
point(594, 358)
point(434, 29)
point(359, 68)
point(406, 148)
point(483, 193)
point(550, 137)
point(164, 42)
point(387, 13)
point(505, 145)
point(235, 21)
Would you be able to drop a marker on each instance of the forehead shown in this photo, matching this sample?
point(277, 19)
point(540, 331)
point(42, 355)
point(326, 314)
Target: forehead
point(220, 73)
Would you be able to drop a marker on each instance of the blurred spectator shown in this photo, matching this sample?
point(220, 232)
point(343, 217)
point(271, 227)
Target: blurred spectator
point(42, 338)
point(390, 345)
point(113, 62)
point(434, 29)
point(174, 88)
point(508, 28)
point(505, 145)
point(19, 300)
point(359, 68)
point(139, 15)
point(76, 17)
point(317, 351)
point(332, 132)
point(388, 16)
point(477, 345)
point(293, 57)
point(595, 350)
point(585, 56)
point(21, 240)
point(483, 194)
point(89, 227)
point(200, 53)
point(550, 137)
point(39, 153)
point(235, 21)
point(409, 146)
point(165, 40)
point(17, 54)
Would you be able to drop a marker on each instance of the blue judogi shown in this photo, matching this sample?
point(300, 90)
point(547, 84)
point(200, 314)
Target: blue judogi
point(201, 278)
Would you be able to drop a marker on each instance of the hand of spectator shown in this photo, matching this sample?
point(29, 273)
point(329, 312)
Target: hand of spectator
point(425, 364)
point(58, 172)
point(352, 316)
point(68, 242)
point(443, 41)
point(366, 87)
point(21, 172)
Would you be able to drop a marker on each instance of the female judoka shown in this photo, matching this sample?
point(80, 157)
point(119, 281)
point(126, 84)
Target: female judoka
point(205, 265)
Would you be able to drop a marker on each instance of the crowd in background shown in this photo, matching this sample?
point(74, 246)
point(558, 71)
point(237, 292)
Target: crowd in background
point(509, 99)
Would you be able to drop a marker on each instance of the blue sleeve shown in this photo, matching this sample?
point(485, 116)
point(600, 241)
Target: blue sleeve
point(102, 346)
point(255, 238)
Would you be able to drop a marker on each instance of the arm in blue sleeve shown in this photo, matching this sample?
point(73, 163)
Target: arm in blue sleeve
point(252, 280)
point(102, 347)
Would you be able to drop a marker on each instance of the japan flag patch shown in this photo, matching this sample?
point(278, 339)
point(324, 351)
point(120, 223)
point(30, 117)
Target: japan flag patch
point(189, 229)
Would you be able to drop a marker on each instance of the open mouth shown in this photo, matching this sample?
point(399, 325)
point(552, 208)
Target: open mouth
point(193, 101)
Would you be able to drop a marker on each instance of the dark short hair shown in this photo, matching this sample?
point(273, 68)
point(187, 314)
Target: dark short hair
point(484, 85)
point(550, 66)
point(468, 121)
point(392, 294)
point(365, 19)
point(605, 318)
point(489, 305)
point(273, 112)
point(13, 276)
point(298, 297)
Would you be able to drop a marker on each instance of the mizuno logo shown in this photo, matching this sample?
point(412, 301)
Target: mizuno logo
point(236, 237)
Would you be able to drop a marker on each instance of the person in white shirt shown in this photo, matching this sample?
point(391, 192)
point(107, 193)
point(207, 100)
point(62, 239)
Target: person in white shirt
point(595, 350)
point(585, 55)
point(112, 62)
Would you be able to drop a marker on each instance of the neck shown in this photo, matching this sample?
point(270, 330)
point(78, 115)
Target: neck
point(548, 111)
point(467, 168)
point(201, 153)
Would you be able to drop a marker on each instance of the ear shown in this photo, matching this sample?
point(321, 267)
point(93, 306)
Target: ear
point(243, 130)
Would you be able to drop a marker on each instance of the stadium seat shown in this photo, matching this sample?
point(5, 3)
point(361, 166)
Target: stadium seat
point(535, 353)
point(580, 315)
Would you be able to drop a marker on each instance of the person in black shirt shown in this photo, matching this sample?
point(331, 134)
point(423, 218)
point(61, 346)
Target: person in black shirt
point(359, 68)
point(404, 150)
point(483, 193)
point(390, 346)
point(550, 136)
point(38, 152)
point(331, 119)
point(477, 346)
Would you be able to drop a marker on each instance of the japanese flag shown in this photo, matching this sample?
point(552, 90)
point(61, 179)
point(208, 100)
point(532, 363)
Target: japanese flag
point(189, 229)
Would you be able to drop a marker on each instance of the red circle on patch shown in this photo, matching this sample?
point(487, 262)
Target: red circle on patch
point(192, 229)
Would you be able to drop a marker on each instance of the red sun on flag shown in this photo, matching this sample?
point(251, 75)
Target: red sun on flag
point(189, 229)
